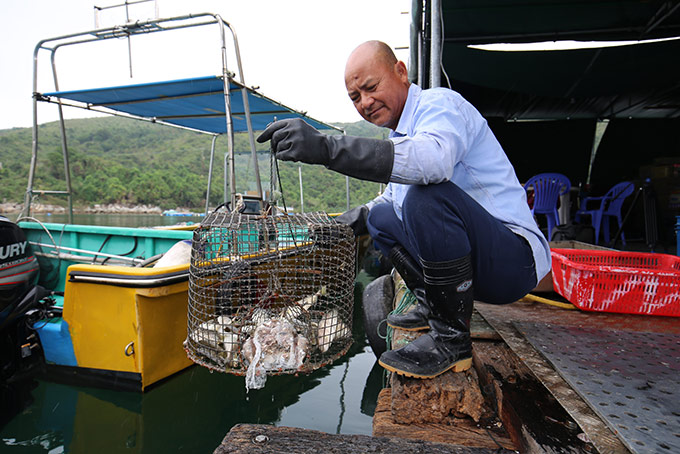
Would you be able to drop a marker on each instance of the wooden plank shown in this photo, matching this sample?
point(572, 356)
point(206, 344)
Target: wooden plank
point(264, 439)
point(487, 434)
point(538, 424)
point(501, 318)
point(480, 329)
point(529, 311)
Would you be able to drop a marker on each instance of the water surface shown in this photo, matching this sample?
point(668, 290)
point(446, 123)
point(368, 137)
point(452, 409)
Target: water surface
point(193, 410)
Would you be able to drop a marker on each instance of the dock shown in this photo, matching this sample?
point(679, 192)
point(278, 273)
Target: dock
point(551, 380)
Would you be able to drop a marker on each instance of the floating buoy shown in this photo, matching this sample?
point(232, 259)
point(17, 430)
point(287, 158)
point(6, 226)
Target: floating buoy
point(377, 303)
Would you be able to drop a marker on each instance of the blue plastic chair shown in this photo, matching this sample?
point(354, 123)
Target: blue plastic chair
point(610, 205)
point(548, 187)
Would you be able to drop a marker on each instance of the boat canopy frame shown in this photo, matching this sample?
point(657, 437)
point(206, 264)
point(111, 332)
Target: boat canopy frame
point(197, 104)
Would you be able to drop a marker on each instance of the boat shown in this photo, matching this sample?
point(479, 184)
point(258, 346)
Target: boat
point(112, 306)
point(180, 213)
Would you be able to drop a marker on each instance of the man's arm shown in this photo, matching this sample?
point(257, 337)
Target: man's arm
point(440, 132)
point(358, 157)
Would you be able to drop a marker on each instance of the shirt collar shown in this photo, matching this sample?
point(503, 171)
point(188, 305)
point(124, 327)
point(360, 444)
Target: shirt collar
point(410, 105)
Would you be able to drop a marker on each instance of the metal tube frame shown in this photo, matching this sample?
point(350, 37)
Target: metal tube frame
point(302, 197)
point(246, 108)
point(414, 68)
point(64, 147)
point(138, 27)
point(210, 170)
point(435, 44)
point(158, 120)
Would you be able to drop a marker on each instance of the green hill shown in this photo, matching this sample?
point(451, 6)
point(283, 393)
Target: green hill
point(116, 160)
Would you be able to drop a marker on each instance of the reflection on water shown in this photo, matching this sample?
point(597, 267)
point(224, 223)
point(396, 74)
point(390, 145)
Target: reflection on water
point(193, 410)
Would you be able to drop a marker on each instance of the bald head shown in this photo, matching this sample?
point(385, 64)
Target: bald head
point(376, 50)
point(377, 83)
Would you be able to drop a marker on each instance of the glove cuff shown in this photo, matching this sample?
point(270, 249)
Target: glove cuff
point(362, 158)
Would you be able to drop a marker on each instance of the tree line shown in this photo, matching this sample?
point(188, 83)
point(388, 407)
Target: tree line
point(118, 160)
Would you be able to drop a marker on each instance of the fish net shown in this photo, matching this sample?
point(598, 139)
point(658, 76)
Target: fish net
point(270, 294)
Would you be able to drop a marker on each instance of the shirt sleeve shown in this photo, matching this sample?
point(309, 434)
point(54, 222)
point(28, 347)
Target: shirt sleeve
point(385, 197)
point(438, 138)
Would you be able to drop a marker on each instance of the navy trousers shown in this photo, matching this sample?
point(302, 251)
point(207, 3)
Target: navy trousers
point(442, 223)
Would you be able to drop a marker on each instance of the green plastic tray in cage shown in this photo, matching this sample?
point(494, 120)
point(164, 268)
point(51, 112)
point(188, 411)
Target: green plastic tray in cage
point(249, 239)
point(270, 295)
point(292, 235)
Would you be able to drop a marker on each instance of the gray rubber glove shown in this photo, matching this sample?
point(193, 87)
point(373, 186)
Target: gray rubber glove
point(358, 157)
point(356, 219)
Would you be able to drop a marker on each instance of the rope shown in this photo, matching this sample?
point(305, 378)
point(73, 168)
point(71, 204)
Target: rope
point(278, 177)
point(538, 299)
point(274, 169)
point(274, 165)
point(406, 301)
point(45, 265)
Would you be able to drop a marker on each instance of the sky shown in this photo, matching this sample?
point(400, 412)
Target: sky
point(294, 51)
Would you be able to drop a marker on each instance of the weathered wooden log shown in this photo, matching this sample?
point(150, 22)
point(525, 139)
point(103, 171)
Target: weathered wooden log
point(264, 439)
point(437, 399)
point(434, 400)
point(488, 434)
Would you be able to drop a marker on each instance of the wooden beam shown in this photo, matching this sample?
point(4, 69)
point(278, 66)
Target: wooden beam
point(265, 439)
point(501, 318)
point(534, 419)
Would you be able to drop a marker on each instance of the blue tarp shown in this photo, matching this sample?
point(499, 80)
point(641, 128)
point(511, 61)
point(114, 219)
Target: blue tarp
point(196, 103)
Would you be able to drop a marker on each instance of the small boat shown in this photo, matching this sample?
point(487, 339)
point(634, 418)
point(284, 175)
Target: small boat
point(111, 309)
point(180, 213)
point(121, 320)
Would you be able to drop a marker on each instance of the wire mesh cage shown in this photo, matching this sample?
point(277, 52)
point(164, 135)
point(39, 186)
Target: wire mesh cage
point(270, 294)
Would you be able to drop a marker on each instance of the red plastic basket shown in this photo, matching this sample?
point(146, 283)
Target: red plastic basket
point(614, 281)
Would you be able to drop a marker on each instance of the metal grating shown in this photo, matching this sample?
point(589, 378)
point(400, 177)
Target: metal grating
point(270, 294)
point(630, 379)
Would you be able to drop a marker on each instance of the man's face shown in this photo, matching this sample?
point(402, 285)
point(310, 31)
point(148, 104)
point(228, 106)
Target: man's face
point(377, 89)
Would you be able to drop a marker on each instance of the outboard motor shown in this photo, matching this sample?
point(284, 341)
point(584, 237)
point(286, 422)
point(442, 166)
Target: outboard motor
point(18, 292)
point(18, 267)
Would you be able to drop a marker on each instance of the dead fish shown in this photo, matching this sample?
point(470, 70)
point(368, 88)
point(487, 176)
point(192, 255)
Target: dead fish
point(297, 308)
point(258, 317)
point(309, 301)
point(217, 341)
point(330, 328)
point(213, 332)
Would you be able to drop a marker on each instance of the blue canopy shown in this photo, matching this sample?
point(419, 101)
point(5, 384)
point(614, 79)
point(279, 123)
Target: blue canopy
point(196, 103)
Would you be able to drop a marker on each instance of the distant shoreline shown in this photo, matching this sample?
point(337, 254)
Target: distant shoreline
point(112, 208)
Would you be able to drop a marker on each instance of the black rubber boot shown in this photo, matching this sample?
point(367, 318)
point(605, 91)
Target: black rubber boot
point(447, 346)
point(417, 318)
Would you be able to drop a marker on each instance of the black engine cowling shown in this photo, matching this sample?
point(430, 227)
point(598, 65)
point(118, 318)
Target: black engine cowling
point(18, 267)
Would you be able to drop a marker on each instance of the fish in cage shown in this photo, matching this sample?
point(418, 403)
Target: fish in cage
point(270, 294)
